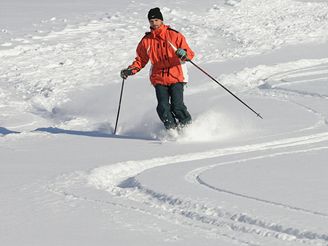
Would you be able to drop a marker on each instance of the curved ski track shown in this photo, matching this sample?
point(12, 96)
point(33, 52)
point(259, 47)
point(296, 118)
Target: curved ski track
point(121, 181)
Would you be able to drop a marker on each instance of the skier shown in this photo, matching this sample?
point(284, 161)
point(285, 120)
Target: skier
point(168, 52)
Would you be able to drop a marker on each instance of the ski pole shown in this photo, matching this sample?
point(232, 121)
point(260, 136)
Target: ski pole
point(119, 107)
point(258, 115)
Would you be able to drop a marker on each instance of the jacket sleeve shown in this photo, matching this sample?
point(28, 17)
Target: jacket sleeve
point(141, 59)
point(182, 43)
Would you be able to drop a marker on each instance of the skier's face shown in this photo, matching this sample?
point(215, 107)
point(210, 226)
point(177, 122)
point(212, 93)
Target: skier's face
point(155, 23)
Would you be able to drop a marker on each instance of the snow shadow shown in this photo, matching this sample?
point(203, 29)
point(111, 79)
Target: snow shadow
point(97, 134)
point(5, 131)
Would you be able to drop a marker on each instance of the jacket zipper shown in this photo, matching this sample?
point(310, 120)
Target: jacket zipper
point(166, 58)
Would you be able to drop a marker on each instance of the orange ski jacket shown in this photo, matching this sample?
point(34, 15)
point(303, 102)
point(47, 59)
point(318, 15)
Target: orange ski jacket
point(159, 47)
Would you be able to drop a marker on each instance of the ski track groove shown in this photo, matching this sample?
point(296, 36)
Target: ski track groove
point(64, 183)
point(221, 218)
point(109, 176)
point(194, 175)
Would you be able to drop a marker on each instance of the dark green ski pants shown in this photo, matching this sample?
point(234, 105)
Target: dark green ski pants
point(171, 109)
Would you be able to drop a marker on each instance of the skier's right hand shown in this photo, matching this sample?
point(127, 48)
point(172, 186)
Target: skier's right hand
point(125, 73)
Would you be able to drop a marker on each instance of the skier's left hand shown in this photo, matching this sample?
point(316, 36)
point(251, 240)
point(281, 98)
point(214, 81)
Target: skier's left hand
point(182, 54)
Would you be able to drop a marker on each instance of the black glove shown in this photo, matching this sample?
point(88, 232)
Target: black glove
point(125, 73)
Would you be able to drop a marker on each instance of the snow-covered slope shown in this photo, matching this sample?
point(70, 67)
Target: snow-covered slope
point(230, 178)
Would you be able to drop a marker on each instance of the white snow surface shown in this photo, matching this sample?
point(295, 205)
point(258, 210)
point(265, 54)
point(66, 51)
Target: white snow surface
point(230, 178)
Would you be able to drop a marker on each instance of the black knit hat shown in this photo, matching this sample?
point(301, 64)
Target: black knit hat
point(155, 13)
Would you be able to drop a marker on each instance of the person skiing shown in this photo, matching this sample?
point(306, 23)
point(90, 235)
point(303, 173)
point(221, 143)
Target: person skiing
point(168, 52)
